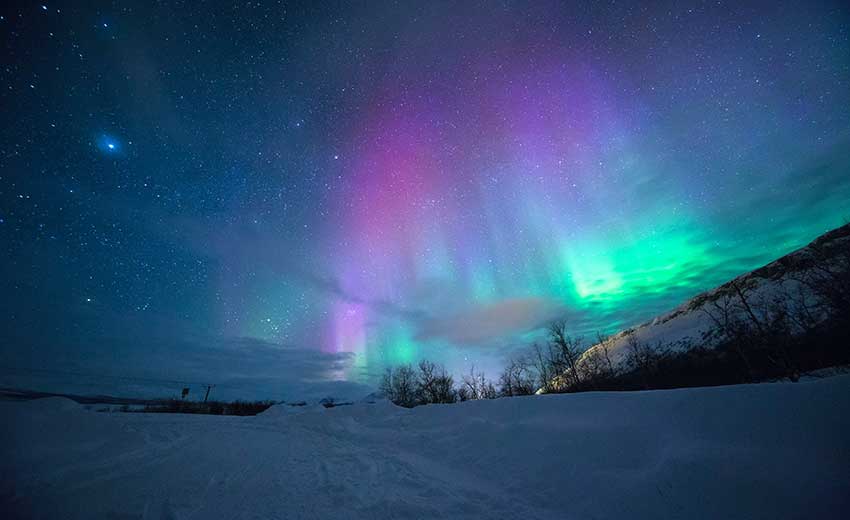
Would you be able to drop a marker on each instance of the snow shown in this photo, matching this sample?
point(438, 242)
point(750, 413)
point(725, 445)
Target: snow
point(752, 451)
point(686, 326)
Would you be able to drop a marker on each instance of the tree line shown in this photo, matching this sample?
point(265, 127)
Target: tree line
point(800, 325)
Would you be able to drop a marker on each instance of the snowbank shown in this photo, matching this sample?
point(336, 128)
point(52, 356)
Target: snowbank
point(754, 451)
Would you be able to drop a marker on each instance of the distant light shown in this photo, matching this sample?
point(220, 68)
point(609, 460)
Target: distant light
point(110, 145)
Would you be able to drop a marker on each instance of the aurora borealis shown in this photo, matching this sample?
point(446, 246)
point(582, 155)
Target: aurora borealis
point(380, 182)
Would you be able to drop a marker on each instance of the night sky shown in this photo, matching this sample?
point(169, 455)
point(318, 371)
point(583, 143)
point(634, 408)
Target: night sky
point(283, 198)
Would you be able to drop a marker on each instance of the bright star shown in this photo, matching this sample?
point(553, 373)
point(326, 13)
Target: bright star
point(108, 144)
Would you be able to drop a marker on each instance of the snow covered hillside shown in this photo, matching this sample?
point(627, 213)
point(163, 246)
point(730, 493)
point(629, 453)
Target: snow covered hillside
point(687, 325)
point(752, 451)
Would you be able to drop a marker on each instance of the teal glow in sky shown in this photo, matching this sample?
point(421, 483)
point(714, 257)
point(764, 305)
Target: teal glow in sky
point(379, 183)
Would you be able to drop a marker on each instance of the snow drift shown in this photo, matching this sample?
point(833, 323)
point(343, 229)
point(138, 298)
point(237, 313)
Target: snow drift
point(752, 451)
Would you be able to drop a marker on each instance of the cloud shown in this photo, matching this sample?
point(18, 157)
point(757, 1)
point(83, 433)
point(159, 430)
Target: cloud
point(280, 371)
point(483, 324)
point(158, 366)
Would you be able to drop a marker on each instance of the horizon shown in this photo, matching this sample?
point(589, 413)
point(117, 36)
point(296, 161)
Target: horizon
point(63, 383)
point(286, 201)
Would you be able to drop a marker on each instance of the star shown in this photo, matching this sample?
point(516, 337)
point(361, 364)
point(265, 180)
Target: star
point(180, 176)
point(108, 144)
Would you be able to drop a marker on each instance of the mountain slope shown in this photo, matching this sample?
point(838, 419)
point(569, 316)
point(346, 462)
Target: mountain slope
point(695, 322)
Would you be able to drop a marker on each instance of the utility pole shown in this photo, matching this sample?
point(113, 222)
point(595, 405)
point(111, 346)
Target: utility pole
point(208, 392)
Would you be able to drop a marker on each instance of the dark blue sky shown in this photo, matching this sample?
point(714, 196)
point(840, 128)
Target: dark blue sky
point(275, 196)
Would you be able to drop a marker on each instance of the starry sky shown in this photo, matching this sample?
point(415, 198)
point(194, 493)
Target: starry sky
point(286, 197)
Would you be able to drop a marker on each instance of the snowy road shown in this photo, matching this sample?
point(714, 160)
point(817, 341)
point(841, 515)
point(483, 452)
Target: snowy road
point(759, 451)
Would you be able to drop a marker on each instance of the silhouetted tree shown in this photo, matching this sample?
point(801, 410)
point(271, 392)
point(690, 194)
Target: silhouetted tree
point(517, 378)
point(642, 358)
point(723, 312)
point(540, 359)
point(476, 386)
point(399, 385)
point(828, 278)
point(435, 385)
point(564, 353)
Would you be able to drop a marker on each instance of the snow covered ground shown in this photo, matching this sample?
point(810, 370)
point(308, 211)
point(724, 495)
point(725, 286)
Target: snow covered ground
point(755, 451)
